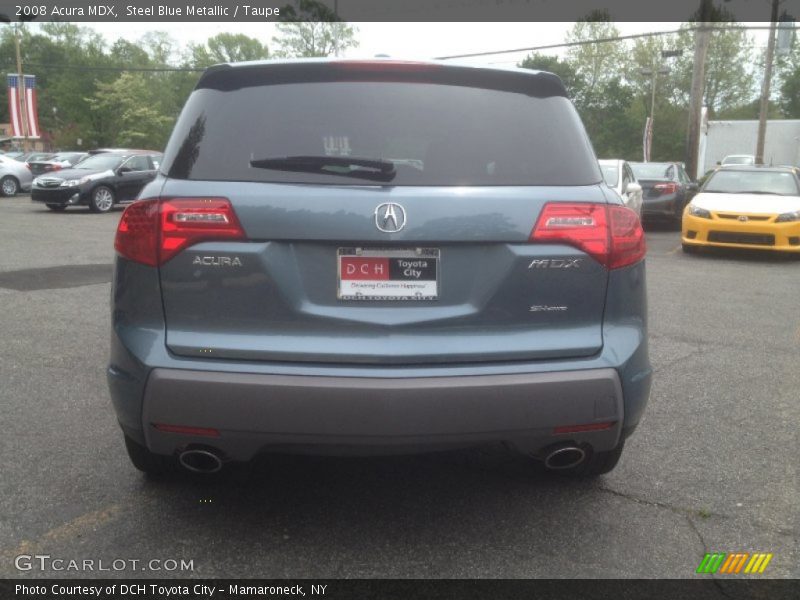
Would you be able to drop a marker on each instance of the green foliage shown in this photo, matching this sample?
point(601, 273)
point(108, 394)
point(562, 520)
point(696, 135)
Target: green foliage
point(314, 39)
point(611, 84)
point(227, 47)
point(128, 113)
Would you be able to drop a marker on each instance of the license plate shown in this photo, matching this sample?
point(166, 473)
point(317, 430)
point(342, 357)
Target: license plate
point(388, 274)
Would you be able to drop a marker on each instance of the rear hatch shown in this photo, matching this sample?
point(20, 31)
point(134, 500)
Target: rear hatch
point(402, 237)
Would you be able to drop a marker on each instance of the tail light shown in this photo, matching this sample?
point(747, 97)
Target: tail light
point(383, 65)
point(666, 188)
point(612, 235)
point(151, 232)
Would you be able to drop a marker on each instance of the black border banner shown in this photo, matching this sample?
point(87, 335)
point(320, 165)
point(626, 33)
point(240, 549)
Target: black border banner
point(398, 589)
point(377, 10)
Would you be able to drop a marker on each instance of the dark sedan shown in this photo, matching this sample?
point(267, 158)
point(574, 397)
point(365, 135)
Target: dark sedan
point(667, 189)
point(99, 181)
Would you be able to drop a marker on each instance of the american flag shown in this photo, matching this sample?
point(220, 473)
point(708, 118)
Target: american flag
point(31, 115)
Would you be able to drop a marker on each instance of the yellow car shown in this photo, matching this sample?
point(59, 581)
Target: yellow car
point(745, 207)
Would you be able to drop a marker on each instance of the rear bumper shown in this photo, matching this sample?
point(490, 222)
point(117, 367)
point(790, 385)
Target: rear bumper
point(257, 412)
point(662, 207)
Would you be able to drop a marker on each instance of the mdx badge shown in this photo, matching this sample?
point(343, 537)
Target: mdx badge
point(556, 263)
point(390, 217)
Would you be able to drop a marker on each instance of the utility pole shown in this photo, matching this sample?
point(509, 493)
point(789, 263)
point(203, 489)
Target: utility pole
point(701, 40)
point(762, 113)
point(23, 116)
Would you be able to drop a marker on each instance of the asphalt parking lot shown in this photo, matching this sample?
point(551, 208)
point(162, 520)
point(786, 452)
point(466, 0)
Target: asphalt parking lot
point(713, 466)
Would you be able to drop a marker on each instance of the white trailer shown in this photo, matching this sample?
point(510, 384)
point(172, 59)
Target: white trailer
point(718, 139)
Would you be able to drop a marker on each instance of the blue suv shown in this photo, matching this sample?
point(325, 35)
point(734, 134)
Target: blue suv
point(378, 256)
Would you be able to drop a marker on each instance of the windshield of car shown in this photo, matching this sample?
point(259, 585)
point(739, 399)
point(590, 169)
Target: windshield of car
point(431, 134)
point(100, 162)
point(653, 170)
point(754, 182)
point(610, 174)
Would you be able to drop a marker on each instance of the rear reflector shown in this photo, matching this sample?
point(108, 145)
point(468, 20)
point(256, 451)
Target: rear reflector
point(582, 428)
point(151, 231)
point(611, 234)
point(186, 430)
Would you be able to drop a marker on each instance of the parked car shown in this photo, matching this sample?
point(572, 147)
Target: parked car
point(99, 181)
point(619, 177)
point(292, 280)
point(60, 160)
point(14, 176)
point(739, 159)
point(666, 189)
point(25, 157)
point(745, 207)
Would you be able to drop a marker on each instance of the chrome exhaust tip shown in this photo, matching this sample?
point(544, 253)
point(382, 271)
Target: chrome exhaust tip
point(565, 457)
point(202, 461)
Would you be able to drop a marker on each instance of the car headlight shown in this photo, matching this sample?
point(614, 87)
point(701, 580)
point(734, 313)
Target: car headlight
point(74, 182)
point(790, 216)
point(696, 211)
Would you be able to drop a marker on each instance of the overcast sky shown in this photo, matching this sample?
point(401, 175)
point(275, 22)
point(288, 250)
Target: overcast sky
point(402, 40)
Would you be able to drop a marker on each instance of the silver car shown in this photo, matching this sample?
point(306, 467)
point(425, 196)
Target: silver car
point(620, 177)
point(15, 176)
point(378, 256)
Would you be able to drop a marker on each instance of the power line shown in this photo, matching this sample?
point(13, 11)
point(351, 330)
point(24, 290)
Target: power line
point(604, 40)
point(114, 69)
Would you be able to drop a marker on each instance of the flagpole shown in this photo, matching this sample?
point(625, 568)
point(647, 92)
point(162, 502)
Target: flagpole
point(21, 91)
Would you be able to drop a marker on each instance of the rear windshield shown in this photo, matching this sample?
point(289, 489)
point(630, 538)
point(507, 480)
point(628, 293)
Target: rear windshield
point(753, 182)
point(433, 134)
point(653, 170)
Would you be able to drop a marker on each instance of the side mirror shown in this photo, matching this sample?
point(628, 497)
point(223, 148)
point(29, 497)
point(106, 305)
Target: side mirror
point(633, 188)
point(123, 170)
point(692, 186)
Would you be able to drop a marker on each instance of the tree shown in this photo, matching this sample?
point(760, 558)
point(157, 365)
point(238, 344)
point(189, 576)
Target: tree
point(131, 114)
point(597, 64)
point(314, 39)
point(227, 47)
point(730, 80)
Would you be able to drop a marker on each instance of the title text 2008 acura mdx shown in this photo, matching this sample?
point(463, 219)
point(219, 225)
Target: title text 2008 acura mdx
point(370, 256)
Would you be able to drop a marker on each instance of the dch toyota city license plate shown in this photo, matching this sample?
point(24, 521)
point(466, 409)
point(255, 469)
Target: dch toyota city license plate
point(388, 274)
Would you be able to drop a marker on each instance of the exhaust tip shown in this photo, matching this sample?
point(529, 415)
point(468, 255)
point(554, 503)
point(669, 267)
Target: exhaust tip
point(200, 461)
point(565, 457)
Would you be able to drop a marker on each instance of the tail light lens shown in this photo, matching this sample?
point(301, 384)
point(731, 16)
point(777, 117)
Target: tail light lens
point(666, 188)
point(151, 232)
point(612, 235)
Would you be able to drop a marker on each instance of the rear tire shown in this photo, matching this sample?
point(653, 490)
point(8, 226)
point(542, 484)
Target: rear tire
point(102, 199)
point(57, 207)
point(9, 185)
point(598, 463)
point(153, 465)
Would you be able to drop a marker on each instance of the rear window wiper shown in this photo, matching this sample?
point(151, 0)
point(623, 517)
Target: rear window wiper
point(346, 166)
